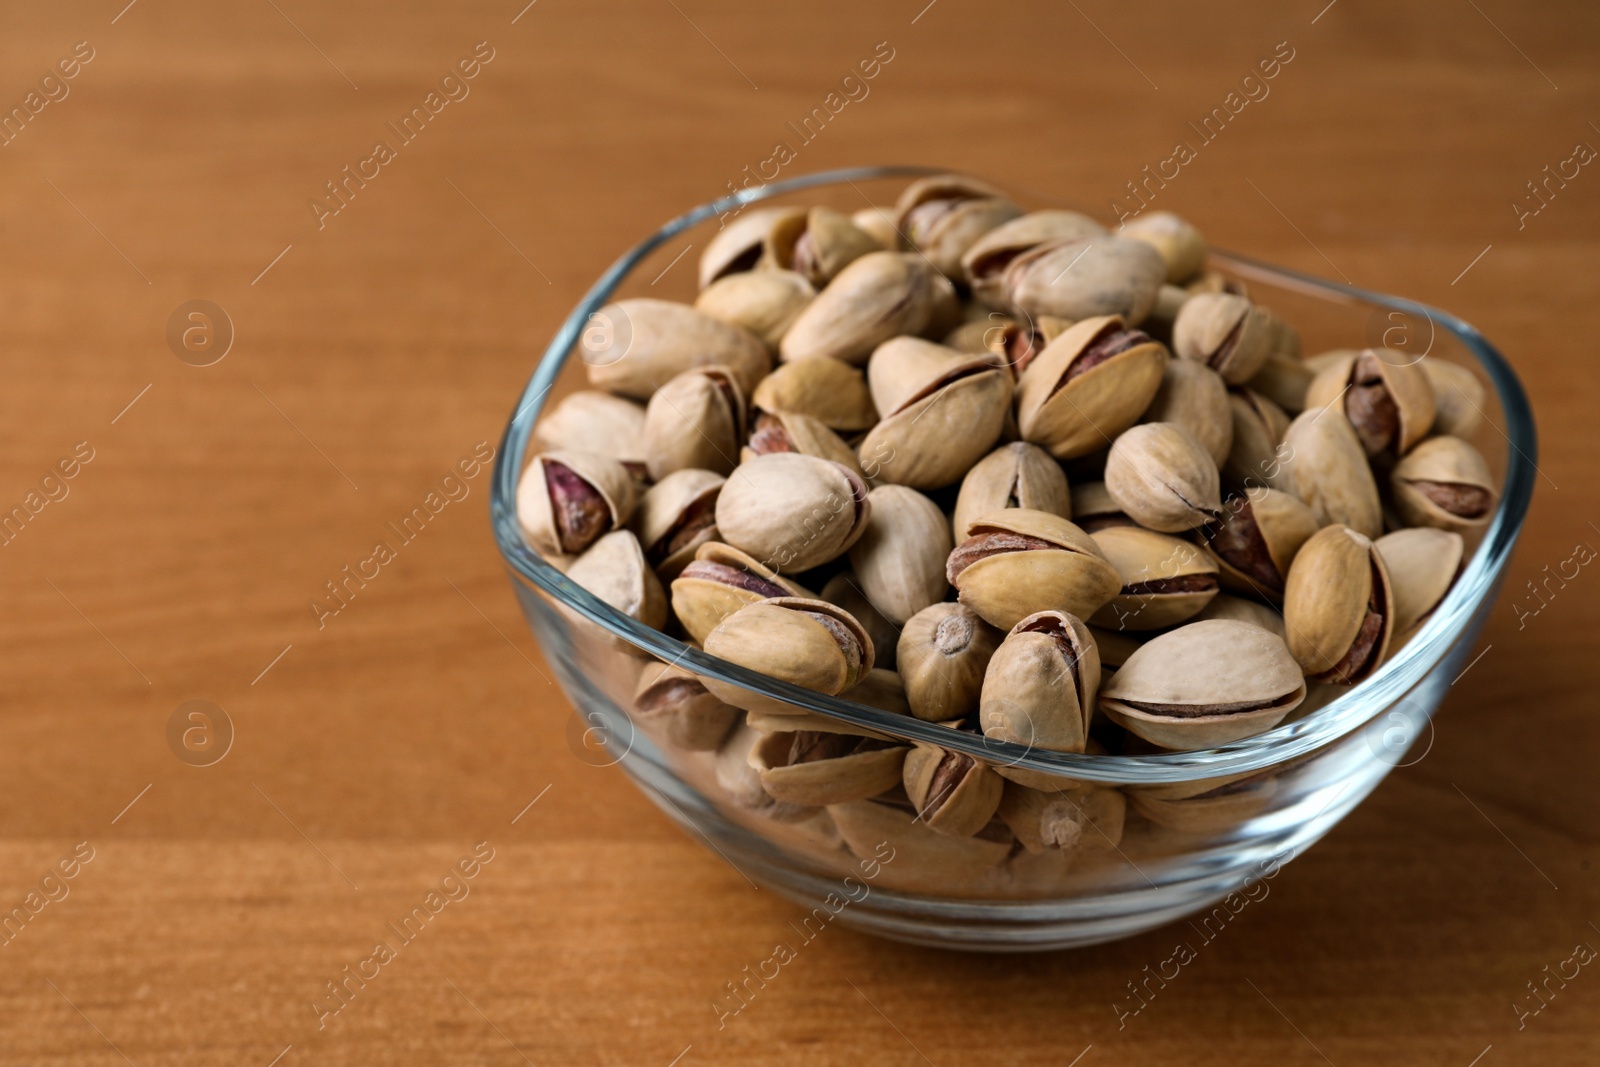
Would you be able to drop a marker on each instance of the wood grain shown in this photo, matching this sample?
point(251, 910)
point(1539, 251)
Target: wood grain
point(375, 351)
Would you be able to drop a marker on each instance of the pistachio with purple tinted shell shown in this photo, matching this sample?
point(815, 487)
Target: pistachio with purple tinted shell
point(765, 302)
point(1086, 277)
point(955, 795)
point(833, 393)
point(1018, 562)
point(1194, 396)
point(718, 582)
point(1256, 539)
point(984, 263)
point(941, 410)
point(675, 517)
point(1088, 385)
point(1163, 478)
point(1165, 580)
point(671, 703)
point(943, 653)
point(1015, 475)
point(567, 500)
point(942, 216)
point(1339, 607)
point(1386, 396)
point(899, 558)
point(696, 420)
point(879, 296)
point(635, 346)
point(1322, 461)
point(1444, 482)
point(791, 511)
point(1041, 684)
point(1182, 246)
point(821, 767)
point(1227, 333)
point(808, 643)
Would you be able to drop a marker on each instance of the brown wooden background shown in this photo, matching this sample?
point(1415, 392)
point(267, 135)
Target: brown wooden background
point(379, 349)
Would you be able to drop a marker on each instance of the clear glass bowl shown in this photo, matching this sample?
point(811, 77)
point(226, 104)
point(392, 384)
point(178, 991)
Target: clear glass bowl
point(1200, 829)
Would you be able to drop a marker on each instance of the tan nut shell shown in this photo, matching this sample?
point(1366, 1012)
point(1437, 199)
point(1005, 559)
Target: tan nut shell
point(878, 688)
point(844, 589)
point(1093, 509)
point(1007, 587)
point(614, 569)
point(1086, 277)
point(984, 263)
point(1258, 428)
point(794, 512)
point(1182, 246)
point(878, 222)
point(1163, 478)
point(931, 862)
point(780, 639)
point(1146, 556)
point(899, 558)
point(960, 811)
point(1326, 599)
point(1081, 415)
point(765, 302)
point(1014, 475)
point(1322, 462)
point(827, 781)
point(593, 421)
point(978, 208)
point(695, 421)
point(1284, 380)
point(659, 340)
point(671, 702)
point(701, 604)
point(663, 505)
point(1458, 398)
point(833, 393)
point(941, 409)
point(1081, 820)
point(534, 511)
point(1195, 397)
point(1285, 523)
point(1200, 666)
point(809, 437)
point(737, 245)
point(1407, 384)
point(1204, 325)
point(943, 652)
point(1206, 814)
point(1422, 562)
point(835, 240)
point(879, 296)
point(1027, 696)
point(1449, 460)
point(1239, 609)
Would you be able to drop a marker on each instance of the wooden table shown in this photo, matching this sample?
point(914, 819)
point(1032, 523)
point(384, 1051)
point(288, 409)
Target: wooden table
point(375, 346)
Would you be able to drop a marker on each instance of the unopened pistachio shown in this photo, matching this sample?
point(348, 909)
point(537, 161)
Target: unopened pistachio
point(1386, 396)
point(636, 346)
point(1444, 482)
point(1163, 477)
point(1165, 580)
point(1041, 684)
point(1018, 562)
point(941, 410)
point(765, 302)
point(1086, 277)
point(1338, 606)
point(943, 653)
point(1422, 562)
point(695, 420)
point(942, 216)
point(833, 393)
point(676, 516)
point(794, 512)
point(1194, 396)
point(1322, 461)
point(567, 500)
point(954, 794)
point(1227, 333)
point(1015, 475)
point(1182, 247)
point(899, 558)
point(672, 703)
point(1088, 385)
point(879, 296)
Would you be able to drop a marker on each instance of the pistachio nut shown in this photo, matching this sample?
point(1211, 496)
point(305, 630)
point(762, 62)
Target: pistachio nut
point(1386, 396)
point(923, 860)
point(592, 421)
point(1182, 246)
point(1423, 562)
point(1017, 344)
point(741, 783)
point(844, 590)
point(718, 582)
point(985, 262)
point(808, 643)
point(784, 431)
point(1088, 385)
point(943, 215)
point(1040, 688)
point(635, 346)
point(737, 247)
point(899, 558)
point(942, 410)
point(1444, 482)
point(1227, 333)
point(1256, 539)
point(954, 794)
point(878, 688)
point(1226, 803)
point(675, 517)
point(1204, 684)
point(793, 511)
point(1258, 428)
point(1015, 475)
point(815, 244)
point(1458, 398)
point(765, 302)
point(1254, 612)
point(879, 296)
point(879, 224)
point(1169, 301)
point(1163, 478)
point(1086, 277)
point(1094, 510)
point(567, 500)
point(942, 653)
point(1079, 820)
point(817, 768)
point(614, 569)
point(1322, 462)
point(833, 393)
point(671, 703)
point(1284, 380)
point(1194, 396)
point(696, 420)
point(1165, 580)
point(882, 689)
point(1338, 607)
point(1019, 561)
point(1322, 361)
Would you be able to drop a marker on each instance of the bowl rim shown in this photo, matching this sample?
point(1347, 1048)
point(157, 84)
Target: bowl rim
point(1472, 591)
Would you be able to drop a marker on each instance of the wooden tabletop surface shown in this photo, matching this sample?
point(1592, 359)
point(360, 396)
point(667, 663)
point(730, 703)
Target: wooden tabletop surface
point(376, 345)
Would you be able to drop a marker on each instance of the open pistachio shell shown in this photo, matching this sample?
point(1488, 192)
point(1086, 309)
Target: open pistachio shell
point(791, 511)
point(1444, 482)
point(808, 643)
point(1040, 687)
point(1227, 333)
point(671, 703)
point(941, 409)
point(614, 569)
point(675, 517)
point(1422, 562)
point(635, 346)
point(792, 432)
point(592, 421)
point(1086, 277)
point(1338, 607)
point(741, 783)
point(826, 767)
point(1239, 609)
point(899, 558)
point(1194, 396)
point(1165, 580)
point(1019, 561)
point(1323, 463)
point(816, 244)
point(1284, 380)
point(765, 302)
point(1385, 394)
point(737, 246)
point(1163, 478)
point(1204, 684)
point(943, 652)
point(943, 215)
point(696, 420)
point(1088, 385)
point(1182, 246)
point(833, 393)
point(718, 582)
point(955, 795)
point(879, 296)
point(1256, 539)
point(1458, 398)
point(1258, 428)
point(844, 590)
point(1015, 475)
point(985, 262)
point(567, 500)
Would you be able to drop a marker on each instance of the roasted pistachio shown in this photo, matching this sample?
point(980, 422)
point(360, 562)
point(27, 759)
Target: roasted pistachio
point(808, 643)
point(879, 296)
point(741, 783)
point(1208, 806)
point(792, 432)
point(1086, 277)
point(636, 346)
point(672, 703)
point(833, 393)
point(1163, 478)
point(1040, 688)
point(984, 263)
point(792, 511)
point(1422, 563)
point(1444, 482)
point(1019, 561)
point(1182, 246)
point(1322, 462)
point(1194, 396)
point(1256, 539)
point(844, 590)
point(567, 500)
point(817, 768)
point(941, 411)
point(1239, 609)
point(942, 216)
point(1093, 509)
point(1227, 333)
point(879, 223)
point(675, 517)
point(592, 421)
point(942, 653)
point(1087, 386)
point(1338, 607)
point(738, 245)
point(695, 421)
point(1258, 429)
point(955, 795)
point(815, 244)
point(1284, 380)
point(718, 582)
point(765, 302)
point(614, 569)
point(1204, 684)
point(1385, 394)
point(1165, 580)
point(924, 861)
point(1079, 820)
point(899, 558)
point(1015, 475)
point(1458, 398)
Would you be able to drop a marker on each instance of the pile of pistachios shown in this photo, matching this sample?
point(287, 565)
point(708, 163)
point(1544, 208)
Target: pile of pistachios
point(1010, 472)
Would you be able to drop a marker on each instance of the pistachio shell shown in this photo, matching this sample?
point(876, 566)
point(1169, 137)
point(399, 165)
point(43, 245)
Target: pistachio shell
point(808, 643)
point(1026, 561)
point(1015, 475)
point(900, 556)
point(1257, 538)
point(1194, 396)
point(833, 393)
point(635, 346)
point(1040, 687)
point(1458, 398)
point(1204, 684)
point(1082, 820)
point(1182, 246)
point(955, 795)
point(794, 512)
point(727, 580)
point(923, 860)
point(941, 411)
point(1116, 646)
point(1338, 606)
point(1422, 563)
point(844, 590)
point(738, 244)
point(1073, 399)
point(567, 500)
point(1207, 813)
point(1385, 395)
point(1239, 609)
point(675, 517)
point(792, 432)
point(614, 569)
point(1093, 509)
point(1169, 301)
point(879, 296)
point(1322, 462)
point(879, 222)
point(942, 653)
point(1444, 482)
point(1085, 277)
point(819, 768)
point(984, 263)
point(1163, 478)
point(671, 703)
point(815, 244)
point(1284, 380)
point(741, 783)
point(696, 420)
point(1258, 429)
point(765, 302)
point(592, 421)
point(1226, 332)
point(1049, 781)
point(943, 215)
point(1165, 580)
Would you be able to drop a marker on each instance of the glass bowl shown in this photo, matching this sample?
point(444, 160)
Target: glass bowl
point(1166, 835)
